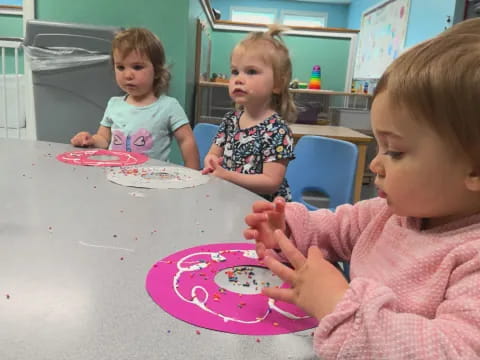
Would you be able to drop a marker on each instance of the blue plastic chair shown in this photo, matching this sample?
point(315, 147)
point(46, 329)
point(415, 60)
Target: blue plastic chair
point(323, 165)
point(204, 134)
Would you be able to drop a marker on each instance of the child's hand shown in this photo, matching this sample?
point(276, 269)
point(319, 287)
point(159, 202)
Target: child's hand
point(207, 169)
point(83, 139)
point(214, 167)
point(263, 221)
point(316, 285)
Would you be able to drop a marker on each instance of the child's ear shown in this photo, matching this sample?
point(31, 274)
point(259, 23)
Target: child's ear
point(472, 181)
point(277, 88)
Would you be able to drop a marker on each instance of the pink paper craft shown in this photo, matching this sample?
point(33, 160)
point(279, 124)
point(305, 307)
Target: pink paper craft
point(183, 285)
point(84, 157)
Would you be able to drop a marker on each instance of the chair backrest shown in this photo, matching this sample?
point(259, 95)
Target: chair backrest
point(204, 134)
point(323, 164)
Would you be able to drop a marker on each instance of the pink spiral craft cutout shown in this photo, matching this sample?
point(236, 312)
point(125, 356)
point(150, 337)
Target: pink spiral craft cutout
point(183, 284)
point(87, 158)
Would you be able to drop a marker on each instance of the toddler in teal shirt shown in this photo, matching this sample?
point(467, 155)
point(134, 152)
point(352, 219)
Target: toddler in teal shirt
point(145, 119)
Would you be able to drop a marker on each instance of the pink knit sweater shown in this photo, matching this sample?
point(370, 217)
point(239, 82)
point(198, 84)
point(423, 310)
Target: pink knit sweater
point(414, 294)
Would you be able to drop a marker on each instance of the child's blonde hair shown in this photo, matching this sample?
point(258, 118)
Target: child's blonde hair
point(438, 82)
point(270, 46)
point(148, 44)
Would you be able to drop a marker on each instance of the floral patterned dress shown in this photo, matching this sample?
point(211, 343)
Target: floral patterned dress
point(245, 150)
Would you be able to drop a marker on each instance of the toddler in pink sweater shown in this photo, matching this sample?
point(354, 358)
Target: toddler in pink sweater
point(414, 251)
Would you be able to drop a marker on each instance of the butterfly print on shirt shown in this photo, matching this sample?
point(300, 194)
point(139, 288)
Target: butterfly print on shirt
point(139, 142)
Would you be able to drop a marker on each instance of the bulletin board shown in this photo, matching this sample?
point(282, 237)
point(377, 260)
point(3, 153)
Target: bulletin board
point(382, 35)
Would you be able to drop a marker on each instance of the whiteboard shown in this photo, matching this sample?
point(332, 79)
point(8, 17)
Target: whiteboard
point(382, 37)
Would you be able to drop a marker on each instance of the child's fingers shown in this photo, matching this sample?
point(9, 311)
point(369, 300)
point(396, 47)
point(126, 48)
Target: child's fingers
point(261, 206)
point(254, 219)
point(87, 140)
point(213, 164)
point(76, 140)
point(272, 253)
point(260, 249)
point(206, 170)
point(315, 253)
point(250, 234)
point(294, 256)
point(279, 204)
point(281, 294)
point(283, 272)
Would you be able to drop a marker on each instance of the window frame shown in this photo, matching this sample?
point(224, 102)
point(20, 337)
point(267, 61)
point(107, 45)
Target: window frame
point(11, 10)
point(314, 14)
point(269, 11)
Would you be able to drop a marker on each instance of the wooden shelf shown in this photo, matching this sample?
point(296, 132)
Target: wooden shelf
point(327, 92)
point(295, 91)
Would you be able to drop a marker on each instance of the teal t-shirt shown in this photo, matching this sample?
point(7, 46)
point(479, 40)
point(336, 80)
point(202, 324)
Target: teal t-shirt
point(144, 129)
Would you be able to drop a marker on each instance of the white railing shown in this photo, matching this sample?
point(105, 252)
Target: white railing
point(12, 109)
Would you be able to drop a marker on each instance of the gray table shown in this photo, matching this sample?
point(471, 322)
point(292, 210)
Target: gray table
point(62, 297)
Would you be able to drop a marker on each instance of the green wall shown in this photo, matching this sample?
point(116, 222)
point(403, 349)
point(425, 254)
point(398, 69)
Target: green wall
point(11, 26)
point(166, 18)
point(305, 52)
point(331, 54)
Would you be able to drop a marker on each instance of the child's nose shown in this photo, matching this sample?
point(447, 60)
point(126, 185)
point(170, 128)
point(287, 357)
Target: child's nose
point(376, 166)
point(238, 79)
point(129, 74)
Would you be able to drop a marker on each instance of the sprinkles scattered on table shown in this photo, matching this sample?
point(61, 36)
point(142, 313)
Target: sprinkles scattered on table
point(158, 177)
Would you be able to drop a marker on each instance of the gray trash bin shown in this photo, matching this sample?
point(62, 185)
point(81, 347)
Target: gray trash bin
point(72, 76)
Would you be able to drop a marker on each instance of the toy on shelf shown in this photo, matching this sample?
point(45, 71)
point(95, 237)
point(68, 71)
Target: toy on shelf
point(295, 84)
point(219, 78)
point(315, 81)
